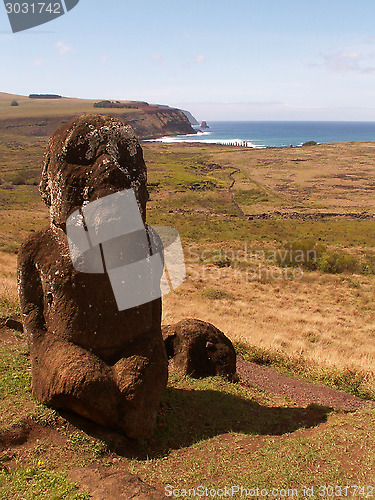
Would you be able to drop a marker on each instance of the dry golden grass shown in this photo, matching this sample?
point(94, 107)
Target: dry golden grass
point(8, 284)
point(49, 107)
point(16, 225)
point(327, 319)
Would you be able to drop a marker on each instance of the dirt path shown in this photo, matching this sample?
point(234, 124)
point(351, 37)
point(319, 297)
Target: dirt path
point(231, 194)
point(299, 391)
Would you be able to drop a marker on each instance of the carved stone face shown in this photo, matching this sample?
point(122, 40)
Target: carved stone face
point(88, 158)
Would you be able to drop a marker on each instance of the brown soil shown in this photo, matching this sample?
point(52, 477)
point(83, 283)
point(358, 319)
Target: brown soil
point(8, 336)
point(299, 391)
point(103, 483)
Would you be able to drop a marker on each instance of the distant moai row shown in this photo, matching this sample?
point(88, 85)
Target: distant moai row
point(240, 144)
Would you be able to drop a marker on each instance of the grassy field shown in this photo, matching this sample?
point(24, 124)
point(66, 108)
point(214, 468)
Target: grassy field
point(313, 319)
point(323, 313)
point(45, 108)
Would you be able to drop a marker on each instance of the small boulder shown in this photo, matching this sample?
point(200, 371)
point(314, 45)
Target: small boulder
point(14, 324)
point(200, 349)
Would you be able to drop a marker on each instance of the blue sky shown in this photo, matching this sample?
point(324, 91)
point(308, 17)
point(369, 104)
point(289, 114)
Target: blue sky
point(229, 60)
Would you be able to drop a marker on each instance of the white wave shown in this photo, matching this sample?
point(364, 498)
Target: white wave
point(191, 138)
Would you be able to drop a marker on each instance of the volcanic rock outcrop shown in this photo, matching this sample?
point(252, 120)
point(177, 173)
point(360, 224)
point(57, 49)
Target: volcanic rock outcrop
point(200, 349)
point(87, 356)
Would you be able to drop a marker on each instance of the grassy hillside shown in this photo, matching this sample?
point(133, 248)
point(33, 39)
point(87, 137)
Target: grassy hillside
point(40, 117)
point(237, 211)
point(321, 314)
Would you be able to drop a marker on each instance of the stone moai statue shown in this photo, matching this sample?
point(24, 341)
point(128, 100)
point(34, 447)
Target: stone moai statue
point(87, 356)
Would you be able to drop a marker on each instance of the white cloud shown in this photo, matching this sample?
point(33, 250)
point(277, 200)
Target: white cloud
point(344, 62)
point(36, 62)
point(6, 37)
point(103, 59)
point(368, 71)
point(200, 58)
point(159, 59)
point(63, 48)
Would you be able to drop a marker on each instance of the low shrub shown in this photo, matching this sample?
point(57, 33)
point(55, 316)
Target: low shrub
point(368, 264)
point(311, 255)
point(112, 104)
point(301, 253)
point(222, 261)
point(339, 262)
point(216, 294)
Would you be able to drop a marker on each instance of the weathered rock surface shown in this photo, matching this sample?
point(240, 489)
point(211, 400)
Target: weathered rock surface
point(14, 324)
point(200, 349)
point(87, 356)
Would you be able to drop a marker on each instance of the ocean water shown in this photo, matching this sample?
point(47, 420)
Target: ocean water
point(276, 133)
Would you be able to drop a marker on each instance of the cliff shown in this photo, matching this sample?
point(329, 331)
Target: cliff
point(189, 116)
point(42, 117)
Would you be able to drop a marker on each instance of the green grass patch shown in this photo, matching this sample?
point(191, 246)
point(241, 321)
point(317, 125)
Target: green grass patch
point(251, 196)
point(30, 177)
point(198, 409)
point(38, 482)
point(80, 443)
point(178, 177)
point(307, 459)
point(15, 376)
point(8, 307)
point(18, 197)
point(205, 228)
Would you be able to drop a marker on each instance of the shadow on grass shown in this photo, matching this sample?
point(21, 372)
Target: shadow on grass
point(189, 416)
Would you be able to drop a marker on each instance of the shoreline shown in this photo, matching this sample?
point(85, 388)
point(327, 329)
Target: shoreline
point(218, 144)
point(279, 134)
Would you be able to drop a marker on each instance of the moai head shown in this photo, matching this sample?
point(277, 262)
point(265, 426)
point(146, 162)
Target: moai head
point(91, 157)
